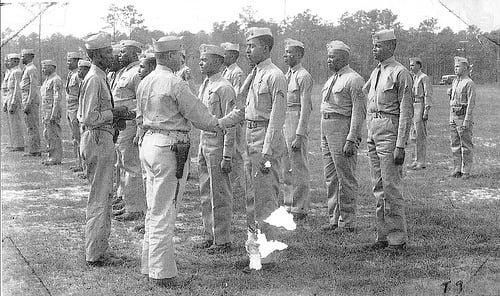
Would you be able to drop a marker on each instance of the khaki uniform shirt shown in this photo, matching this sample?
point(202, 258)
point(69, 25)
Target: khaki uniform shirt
point(463, 92)
point(422, 89)
point(347, 98)
point(5, 88)
point(125, 85)
point(14, 88)
point(218, 95)
point(235, 76)
point(300, 85)
point(165, 102)
point(30, 85)
point(72, 90)
point(392, 95)
point(52, 96)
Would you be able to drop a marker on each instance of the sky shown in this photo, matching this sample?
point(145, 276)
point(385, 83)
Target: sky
point(80, 17)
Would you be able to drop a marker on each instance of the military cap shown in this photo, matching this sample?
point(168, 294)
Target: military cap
point(230, 46)
point(27, 51)
point(211, 49)
point(337, 45)
point(292, 42)
point(11, 56)
point(84, 63)
point(383, 35)
point(48, 63)
point(98, 41)
point(461, 60)
point(73, 55)
point(254, 32)
point(116, 49)
point(133, 43)
point(167, 43)
point(416, 59)
point(147, 56)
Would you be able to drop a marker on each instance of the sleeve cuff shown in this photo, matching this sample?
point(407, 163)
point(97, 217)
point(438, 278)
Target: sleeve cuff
point(107, 115)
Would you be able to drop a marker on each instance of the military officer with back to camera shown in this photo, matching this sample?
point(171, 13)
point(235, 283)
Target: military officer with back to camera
point(298, 111)
point(167, 108)
point(73, 82)
point(422, 92)
point(30, 90)
point(462, 103)
point(12, 104)
point(343, 111)
point(389, 118)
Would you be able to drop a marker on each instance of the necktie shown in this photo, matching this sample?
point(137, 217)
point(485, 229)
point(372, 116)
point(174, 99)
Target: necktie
point(110, 94)
point(329, 92)
point(67, 81)
point(202, 92)
point(378, 75)
point(288, 75)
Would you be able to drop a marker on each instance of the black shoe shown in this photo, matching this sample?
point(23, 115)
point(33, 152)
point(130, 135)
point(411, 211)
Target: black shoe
point(456, 175)
point(329, 227)
point(378, 245)
point(219, 249)
point(129, 216)
point(106, 260)
point(165, 283)
point(119, 212)
point(395, 249)
point(204, 244)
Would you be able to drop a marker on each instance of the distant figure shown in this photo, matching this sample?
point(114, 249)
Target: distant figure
point(73, 82)
point(422, 91)
point(12, 104)
point(462, 103)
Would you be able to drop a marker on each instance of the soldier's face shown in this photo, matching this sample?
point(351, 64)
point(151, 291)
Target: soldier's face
point(82, 71)
point(26, 59)
point(209, 64)
point(72, 63)
point(336, 60)
point(47, 70)
point(414, 67)
point(460, 69)
point(255, 51)
point(144, 68)
point(13, 62)
point(291, 56)
point(382, 50)
point(107, 57)
point(127, 54)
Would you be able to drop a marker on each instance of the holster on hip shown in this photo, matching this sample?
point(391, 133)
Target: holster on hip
point(460, 110)
point(181, 155)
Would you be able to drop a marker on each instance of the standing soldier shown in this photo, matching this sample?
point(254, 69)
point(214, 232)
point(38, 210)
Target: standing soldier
point(343, 111)
point(233, 73)
point(13, 102)
point(215, 152)
point(30, 90)
point(390, 111)
point(73, 82)
point(462, 103)
point(167, 108)
point(5, 92)
point(422, 91)
point(52, 96)
point(298, 110)
point(124, 89)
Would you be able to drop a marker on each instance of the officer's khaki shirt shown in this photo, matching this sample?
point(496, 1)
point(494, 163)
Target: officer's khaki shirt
point(29, 85)
point(95, 100)
point(393, 95)
point(165, 102)
point(300, 85)
point(14, 87)
point(52, 96)
point(422, 89)
point(72, 90)
point(125, 85)
point(235, 76)
point(218, 95)
point(463, 91)
point(346, 98)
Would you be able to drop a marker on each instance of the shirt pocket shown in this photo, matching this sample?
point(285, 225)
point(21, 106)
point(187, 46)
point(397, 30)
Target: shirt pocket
point(293, 96)
point(214, 104)
point(263, 97)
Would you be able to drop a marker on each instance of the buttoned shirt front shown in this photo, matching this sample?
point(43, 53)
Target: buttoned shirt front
point(125, 85)
point(422, 89)
point(463, 92)
point(346, 98)
point(72, 90)
point(29, 85)
point(52, 96)
point(300, 85)
point(234, 75)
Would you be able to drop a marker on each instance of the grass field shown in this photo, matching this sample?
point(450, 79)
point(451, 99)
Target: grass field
point(453, 226)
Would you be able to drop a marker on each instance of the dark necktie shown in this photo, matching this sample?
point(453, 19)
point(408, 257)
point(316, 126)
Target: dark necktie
point(329, 92)
point(202, 92)
point(67, 81)
point(378, 75)
point(110, 94)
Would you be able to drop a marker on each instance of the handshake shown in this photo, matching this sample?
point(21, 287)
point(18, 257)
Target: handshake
point(120, 115)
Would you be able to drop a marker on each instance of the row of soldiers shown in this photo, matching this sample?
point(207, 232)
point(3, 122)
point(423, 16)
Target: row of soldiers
point(263, 120)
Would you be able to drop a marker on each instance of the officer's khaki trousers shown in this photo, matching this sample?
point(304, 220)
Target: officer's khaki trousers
point(386, 178)
point(295, 168)
point(130, 185)
point(16, 129)
point(32, 120)
point(461, 145)
point(52, 135)
point(237, 174)
point(163, 194)
point(98, 153)
point(418, 134)
point(215, 189)
point(74, 126)
point(262, 190)
point(340, 171)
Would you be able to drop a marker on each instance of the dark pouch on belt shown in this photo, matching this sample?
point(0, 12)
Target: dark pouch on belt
point(181, 155)
point(460, 110)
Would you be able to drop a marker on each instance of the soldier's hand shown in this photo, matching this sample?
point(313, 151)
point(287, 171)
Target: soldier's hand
point(265, 164)
point(425, 116)
point(225, 165)
point(119, 111)
point(399, 156)
point(297, 142)
point(349, 149)
point(5, 107)
point(12, 108)
point(138, 136)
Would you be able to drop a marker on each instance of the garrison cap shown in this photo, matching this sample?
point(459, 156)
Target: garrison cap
point(11, 56)
point(254, 32)
point(416, 59)
point(84, 63)
point(48, 63)
point(27, 51)
point(383, 35)
point(230, 46)
point(461, 60)
point(167, 43)
point(147, 56)
point(337, 45)
point(211, 49)
point(98, 41)
point(73, 55)
point(293, 42)
point(133, 43)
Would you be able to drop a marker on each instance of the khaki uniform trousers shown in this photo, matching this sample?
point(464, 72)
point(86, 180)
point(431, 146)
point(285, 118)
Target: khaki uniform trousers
point(52, 135)
point(295, 169)
point(74, 126)
point(32, 120)
point(163, 194)
point(130, 185)
point(237, 174)
point(215, 189)
point(461, 145)
point(16, 129)
point(418, 134)
point(262, 190)
point(98, 154)
point(340, 172)
point(386, 178)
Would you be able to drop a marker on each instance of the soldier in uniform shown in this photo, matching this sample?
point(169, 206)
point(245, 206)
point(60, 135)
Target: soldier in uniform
point(215, 153)
point(5, 92)
point(390, 112)
point(233, 73)
point(13, 102)
point(298, 110)
point(52, 96)
point(83, 69)
point(422, 91)
point(30, 90)
point(167, 108)
point(124, 88)
point(73, 82)
point(147, 64)
point(462, 103)
point(265, 114)
point(343, 111)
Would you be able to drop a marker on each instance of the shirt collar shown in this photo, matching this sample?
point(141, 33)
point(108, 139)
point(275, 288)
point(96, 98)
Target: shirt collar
point(163, 68)
point(296, 67)
point(263, 64)
point(215, 77)
point(388, 61)
point(97, 70)
point(343, 70)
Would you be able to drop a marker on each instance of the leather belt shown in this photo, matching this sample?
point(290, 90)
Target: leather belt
point(381, 114)
point(255, 124)
point(333, 115)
